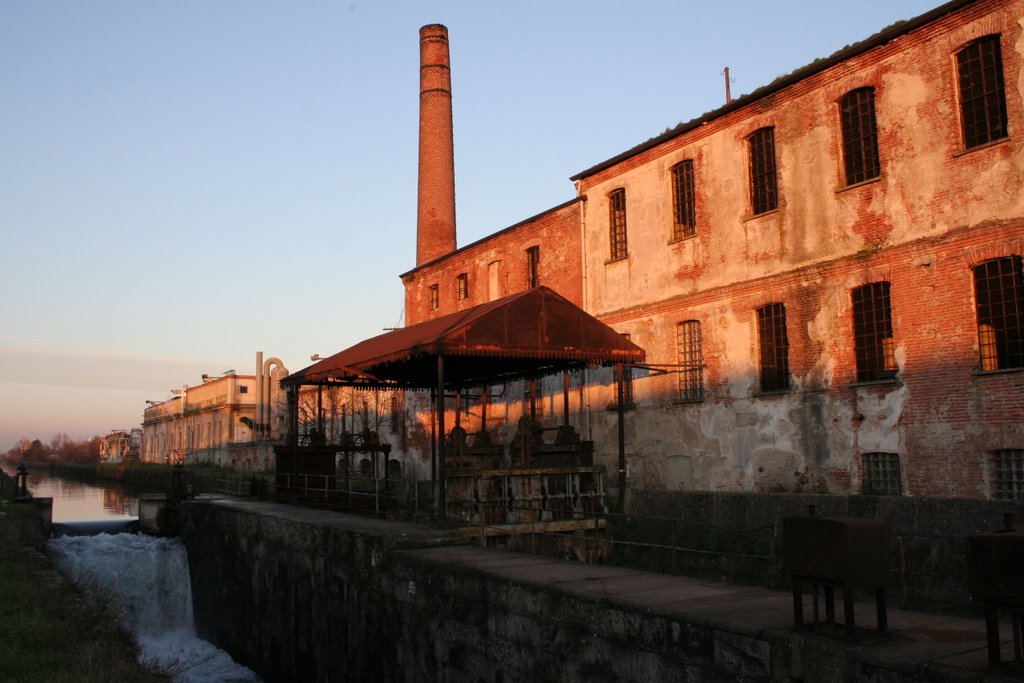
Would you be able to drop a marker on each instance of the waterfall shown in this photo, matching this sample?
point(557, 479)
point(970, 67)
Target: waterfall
point(146, 581)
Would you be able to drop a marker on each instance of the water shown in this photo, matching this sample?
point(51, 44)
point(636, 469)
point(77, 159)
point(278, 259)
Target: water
point(144, 578)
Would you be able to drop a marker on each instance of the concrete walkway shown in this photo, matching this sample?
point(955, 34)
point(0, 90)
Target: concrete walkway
point(918, 646)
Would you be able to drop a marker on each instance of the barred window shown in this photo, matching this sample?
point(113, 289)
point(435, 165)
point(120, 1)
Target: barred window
point(462, 286)
point(999, 294)
point(627, 384)
point(690, 352)
point(872, 333)
point(533, 267)
point(433, 297)
point(617, 223)
point(860, 136)
point(1007, 481)
point(684, 202)
point(773, 343)
point(982, 94)
point(882, 474)
point(763, 189)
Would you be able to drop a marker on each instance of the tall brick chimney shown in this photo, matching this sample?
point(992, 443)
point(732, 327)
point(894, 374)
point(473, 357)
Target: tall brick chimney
point(435, 216)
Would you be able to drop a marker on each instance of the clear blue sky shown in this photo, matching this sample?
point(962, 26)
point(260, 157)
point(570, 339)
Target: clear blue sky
point(185, 183)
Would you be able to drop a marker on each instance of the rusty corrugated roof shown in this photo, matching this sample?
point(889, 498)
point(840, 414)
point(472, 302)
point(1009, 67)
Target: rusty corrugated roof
point(529, 333)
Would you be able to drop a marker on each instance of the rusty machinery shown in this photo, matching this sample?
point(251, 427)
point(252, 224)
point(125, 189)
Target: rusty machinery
point(850, 553)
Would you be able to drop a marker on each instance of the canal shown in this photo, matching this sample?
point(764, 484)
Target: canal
point(145, 578)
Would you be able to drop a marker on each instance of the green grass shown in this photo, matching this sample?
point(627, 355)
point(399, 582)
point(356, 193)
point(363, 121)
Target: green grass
point(48, 633)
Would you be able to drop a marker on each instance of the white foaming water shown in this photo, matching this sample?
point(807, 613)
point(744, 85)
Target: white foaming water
point(146, 580)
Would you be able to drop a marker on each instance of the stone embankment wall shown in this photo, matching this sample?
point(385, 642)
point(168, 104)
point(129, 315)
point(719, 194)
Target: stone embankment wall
point(309, 595)
point(295, 597)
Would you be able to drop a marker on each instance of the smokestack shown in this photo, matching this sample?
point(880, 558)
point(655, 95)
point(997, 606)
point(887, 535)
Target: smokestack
point(435, 216)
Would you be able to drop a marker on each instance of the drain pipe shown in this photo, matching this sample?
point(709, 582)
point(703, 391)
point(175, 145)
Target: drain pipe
point(259, 394)
point(265, 391)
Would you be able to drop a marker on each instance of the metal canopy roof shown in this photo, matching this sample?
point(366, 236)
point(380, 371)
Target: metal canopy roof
point(531, 333)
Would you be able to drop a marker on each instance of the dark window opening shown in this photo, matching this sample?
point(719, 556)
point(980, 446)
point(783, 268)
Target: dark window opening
point(1008, 474)
point(627, 385)
point(982, 93)
point(684, 202)
point(872, 333)
point(773, 342)
point(690, 352)
point(617, 223)
point(860, 135)
point(462, 286)
point(882, 474)
point(763, 187)
point(243, 390)
point(999, 290)
point(433, 297)
point(533, 267)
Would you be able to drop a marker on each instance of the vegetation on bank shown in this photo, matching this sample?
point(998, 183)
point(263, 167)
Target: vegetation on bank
point(48, 632)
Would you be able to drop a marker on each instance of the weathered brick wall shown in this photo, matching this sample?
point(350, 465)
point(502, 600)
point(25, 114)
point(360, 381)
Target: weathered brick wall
point(934, 212)
point(556, 232)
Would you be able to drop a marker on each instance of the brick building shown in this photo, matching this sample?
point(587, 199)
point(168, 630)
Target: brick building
point(825, 274)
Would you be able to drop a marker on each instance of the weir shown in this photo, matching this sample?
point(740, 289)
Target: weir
point(315, 595)
point(146, 581)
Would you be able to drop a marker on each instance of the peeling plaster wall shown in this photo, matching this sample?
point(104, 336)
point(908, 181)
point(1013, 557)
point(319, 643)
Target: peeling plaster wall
point(934, 213)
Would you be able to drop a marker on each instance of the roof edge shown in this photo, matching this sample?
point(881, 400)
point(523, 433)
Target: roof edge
point(877, 40)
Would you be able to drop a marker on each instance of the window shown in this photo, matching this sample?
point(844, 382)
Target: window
point(683, 201)
point(773, 343)
point(243, 389)
point(872, 333)
point(462, 286)
point(982, 95)
point(763, 190)
point(433, 298)
point(532, 267)
point(396, 413)
point(999, 294)
point(860, 137)
point(882, 474)
point(627, 384)
point(690, 352)
point(617, 223)
point(1008, 474)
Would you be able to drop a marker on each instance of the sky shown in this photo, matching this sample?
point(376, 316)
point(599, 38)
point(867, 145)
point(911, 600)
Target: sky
point(183, 184)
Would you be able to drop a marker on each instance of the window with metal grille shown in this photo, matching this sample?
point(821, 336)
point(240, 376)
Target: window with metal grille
point(533, 267)
point(627, 384)
point(872, 333)
point(860, 136)
point(882, 474)
point(763, 188)
point(433, 297)
point(462, 286)
point(1007, 479)
point(982, 94)
point(690, 352)
point(617, 223)
point(773, 343)
point(684, 202)
point(999, 294)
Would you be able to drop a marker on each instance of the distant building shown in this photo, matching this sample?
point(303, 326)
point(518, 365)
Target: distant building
point(121, 446)
point(229, 420)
